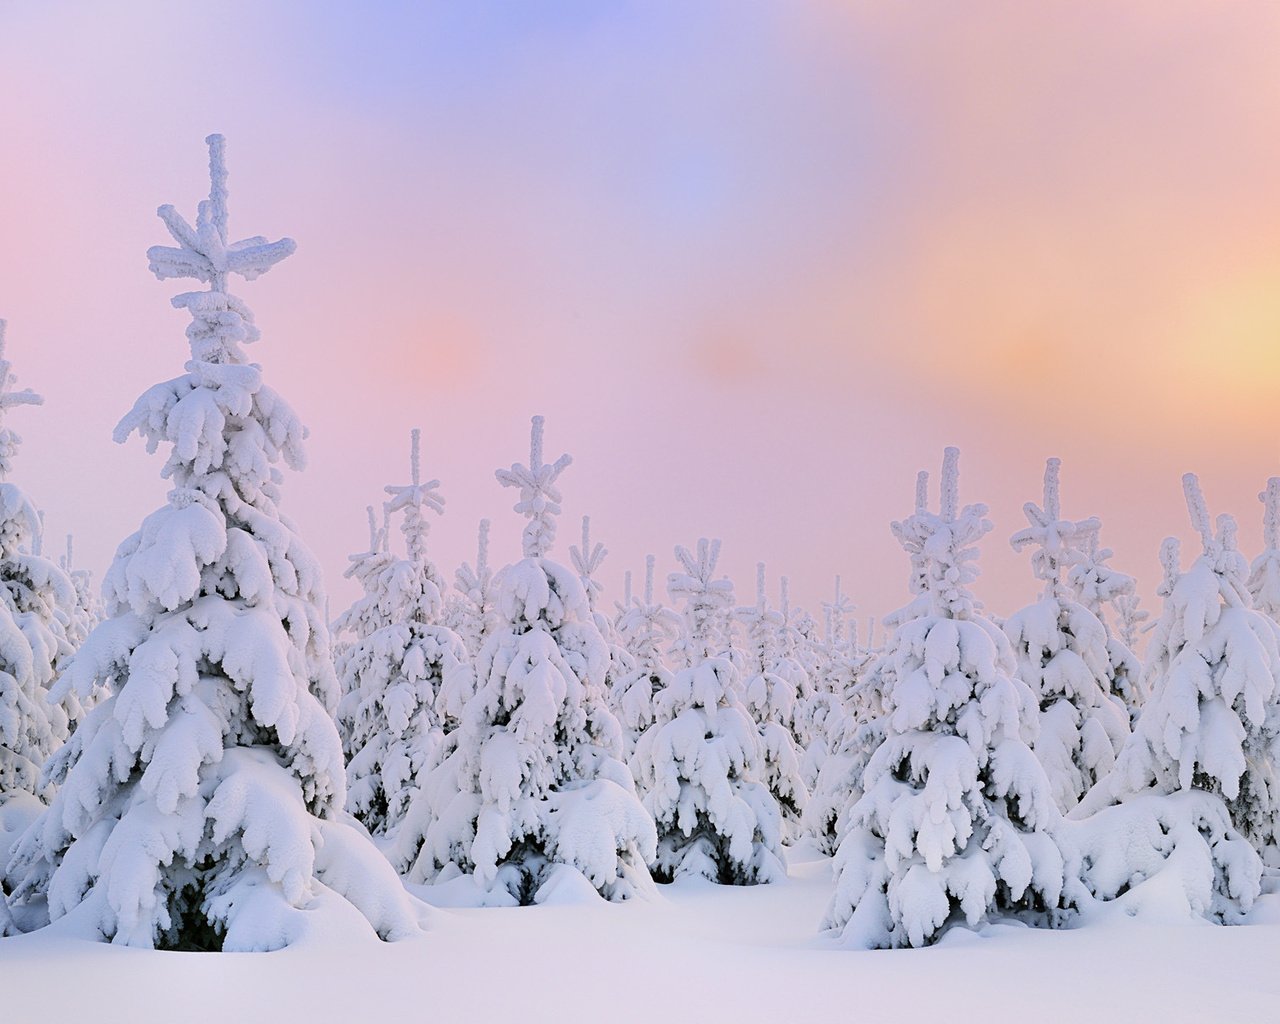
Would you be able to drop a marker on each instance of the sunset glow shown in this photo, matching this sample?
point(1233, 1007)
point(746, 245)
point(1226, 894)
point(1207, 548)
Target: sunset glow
point(756, 264)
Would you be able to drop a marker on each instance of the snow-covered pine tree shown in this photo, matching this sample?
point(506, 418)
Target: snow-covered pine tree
point(1061, 651)
point(700, 766)
point(771, 696)
point(819, 709)
point(535, 780)
point(88, 609)
point(836, 716)
point(789, 632)
point(393, 676)
point(467, 611)
point(850, 735)
point(647, 627)
point(792, 643)
point(200, 803)
point(956, 819)
point(834, 663)
point(81, 620)
point(1264, 574)
point(808, 642)
point(586, 560)
point(853, 729)
point(367, 613)
point(1209, 728)
point(1096, 584)
point(708, 603)
point(835, 614)
point(791, 666)
point(473, 591)
point(1130, 617)
point(39, 616)
point(838, 645)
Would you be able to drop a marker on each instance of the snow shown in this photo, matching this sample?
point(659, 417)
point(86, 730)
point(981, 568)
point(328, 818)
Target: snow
point(716, 952)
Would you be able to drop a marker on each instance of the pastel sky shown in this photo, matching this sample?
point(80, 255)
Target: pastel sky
point(756, 263)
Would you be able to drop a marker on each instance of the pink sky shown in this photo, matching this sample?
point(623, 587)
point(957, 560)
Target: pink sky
point(755, 263)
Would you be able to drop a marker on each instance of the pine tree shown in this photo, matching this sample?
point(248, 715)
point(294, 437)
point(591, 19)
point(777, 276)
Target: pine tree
point(771, 696)
point(790, 664)
point(535, 779)
point(473, 590)
point(834, 664)
point(808, 642)
point(647, 628)
point(852, 733)
point(798, 667)
point(468, 613)
point(839, 645)
point(854, 723)
point(88, 608)
point(200, 803)
point(1062, 654)
point(1096, 584)
point(846, 726)
point(1264, 574)
point(586, 561)
point(39, 623)
point(708, 605)
point(367, 613)
point(1131, 617)
point(1212, 720)
point(956, 816)
point(821, 711)
point(699, 765)
point(392, 677)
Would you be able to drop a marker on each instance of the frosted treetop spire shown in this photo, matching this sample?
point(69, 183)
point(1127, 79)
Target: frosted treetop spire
point(586, 560)
point(941, 546)
point(649, 624)
point(412, 499)
point(706, 599)
point(1199, 512)
point(377, 542)
point(9, 397)
point(1264, 573)
point(1270, 499)
point(1219, 540)
point(835, 612)
point(475, 582)
point(539, 496)
point(203, 252)
point(1219, 544)
point(1061, 542)
point(950, 496)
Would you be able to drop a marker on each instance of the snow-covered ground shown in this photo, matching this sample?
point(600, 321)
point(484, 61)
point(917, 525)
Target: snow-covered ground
point(695, 952)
